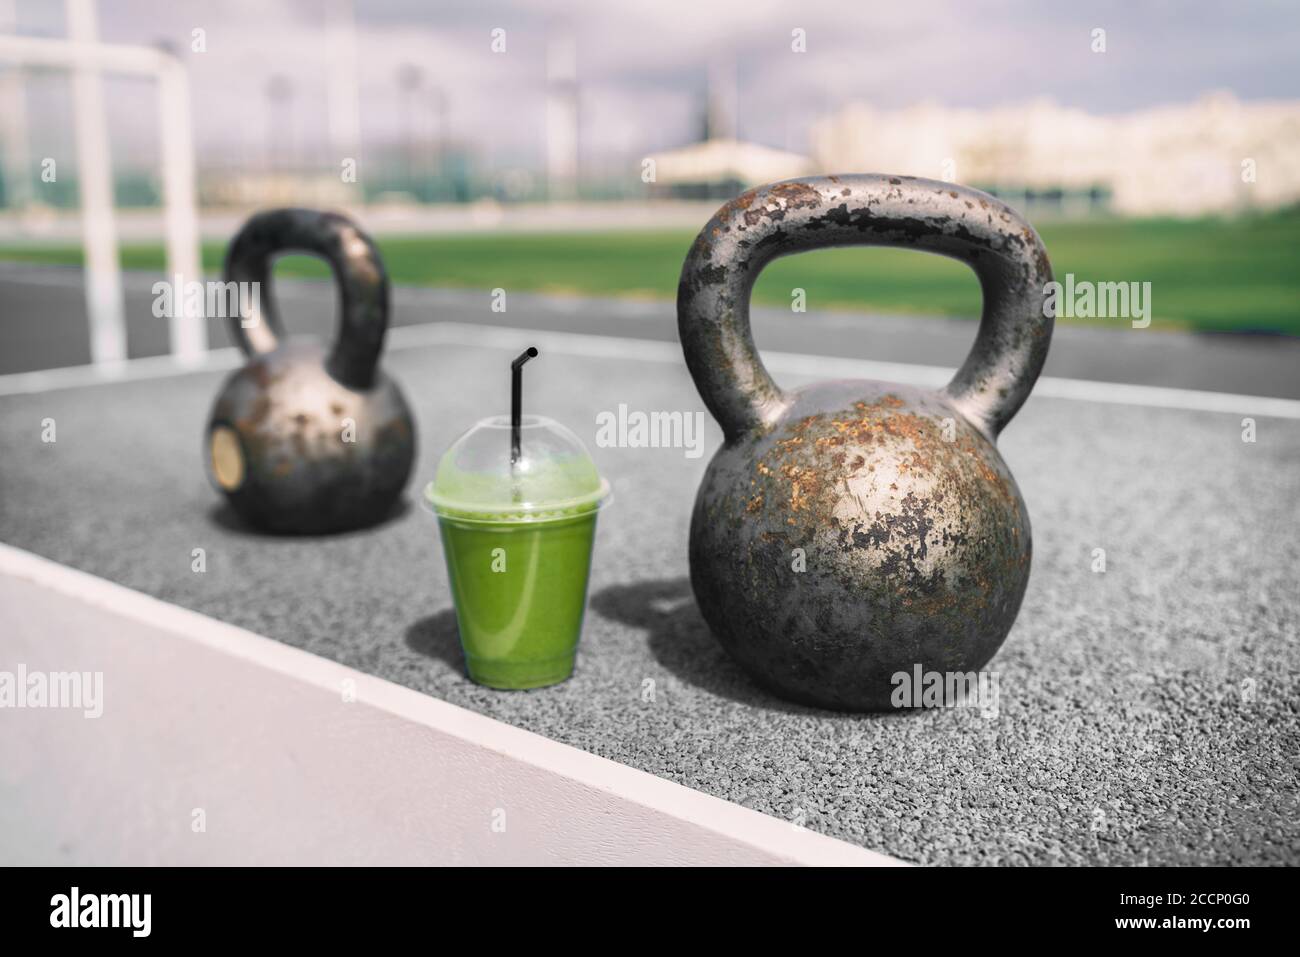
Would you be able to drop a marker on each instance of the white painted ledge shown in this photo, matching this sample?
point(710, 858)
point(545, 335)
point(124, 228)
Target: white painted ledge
point(200, 716)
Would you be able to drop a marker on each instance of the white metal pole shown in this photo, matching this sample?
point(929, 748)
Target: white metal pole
point(343, 96)
point(561, 117)
point(103, 274)
point(189, 332)
point(180, 205)
point(13, 123)
point(13, 140)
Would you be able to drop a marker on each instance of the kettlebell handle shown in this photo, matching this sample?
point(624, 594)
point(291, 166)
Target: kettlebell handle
point(863, 210)
point(358, 273)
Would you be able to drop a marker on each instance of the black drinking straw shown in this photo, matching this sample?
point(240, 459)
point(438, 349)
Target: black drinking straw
point(516, 400)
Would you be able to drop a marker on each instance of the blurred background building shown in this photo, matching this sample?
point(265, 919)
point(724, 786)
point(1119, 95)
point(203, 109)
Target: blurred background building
point(477, 106)
point(1182, 159)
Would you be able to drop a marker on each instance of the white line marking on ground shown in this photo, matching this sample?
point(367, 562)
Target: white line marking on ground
point(654, 350)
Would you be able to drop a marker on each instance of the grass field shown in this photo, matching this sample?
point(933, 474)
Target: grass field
point(1238, 274)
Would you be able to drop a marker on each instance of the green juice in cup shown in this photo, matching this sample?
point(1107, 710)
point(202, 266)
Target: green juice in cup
point(517, 513)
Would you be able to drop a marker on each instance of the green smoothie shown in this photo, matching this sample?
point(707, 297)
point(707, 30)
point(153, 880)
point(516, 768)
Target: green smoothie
point(518, 543)
point(520, 590)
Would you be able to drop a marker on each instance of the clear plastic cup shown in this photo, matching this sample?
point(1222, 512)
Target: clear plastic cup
point(518, 538)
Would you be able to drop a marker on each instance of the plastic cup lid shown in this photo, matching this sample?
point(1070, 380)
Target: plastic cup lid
point(553, 478)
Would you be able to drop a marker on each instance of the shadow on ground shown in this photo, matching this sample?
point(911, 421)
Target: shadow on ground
point(681, 642)
point(436, 636)
point(224, 516)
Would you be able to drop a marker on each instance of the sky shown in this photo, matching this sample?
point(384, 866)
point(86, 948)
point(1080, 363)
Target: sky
point(642, 64)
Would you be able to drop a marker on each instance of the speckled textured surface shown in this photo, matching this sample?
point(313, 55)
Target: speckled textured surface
point(1146, 715)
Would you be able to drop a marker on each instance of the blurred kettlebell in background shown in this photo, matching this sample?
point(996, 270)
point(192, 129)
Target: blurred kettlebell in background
point(301, 440)
point(848, 533)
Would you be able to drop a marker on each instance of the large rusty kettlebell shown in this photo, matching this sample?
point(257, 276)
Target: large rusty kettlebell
point(848, 532)
point(301, 440)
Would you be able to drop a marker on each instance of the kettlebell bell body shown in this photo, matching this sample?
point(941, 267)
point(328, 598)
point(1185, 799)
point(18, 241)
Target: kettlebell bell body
point(850, 533)
point(304, 439)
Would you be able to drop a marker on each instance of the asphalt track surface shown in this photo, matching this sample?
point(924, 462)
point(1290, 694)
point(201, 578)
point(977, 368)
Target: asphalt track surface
point(1146, 714)
point(43, 325)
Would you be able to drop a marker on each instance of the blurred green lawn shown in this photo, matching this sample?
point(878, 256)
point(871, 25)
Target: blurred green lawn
point(1239, 274)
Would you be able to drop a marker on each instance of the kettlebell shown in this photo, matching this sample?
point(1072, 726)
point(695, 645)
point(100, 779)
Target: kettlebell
point(849, 533)
point(301, 440)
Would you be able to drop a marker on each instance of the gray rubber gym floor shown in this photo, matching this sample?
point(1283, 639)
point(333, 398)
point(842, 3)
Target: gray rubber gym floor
point(1147, 714)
